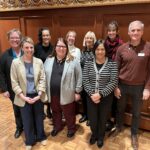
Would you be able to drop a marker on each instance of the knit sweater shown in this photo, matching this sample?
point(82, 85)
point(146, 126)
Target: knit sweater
point(103, 81)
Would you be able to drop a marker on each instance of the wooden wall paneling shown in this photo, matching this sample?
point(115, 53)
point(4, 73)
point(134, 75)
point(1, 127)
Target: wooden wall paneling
point(124, 20)
point(33, 24)
point(7, 24)
point(81, 24)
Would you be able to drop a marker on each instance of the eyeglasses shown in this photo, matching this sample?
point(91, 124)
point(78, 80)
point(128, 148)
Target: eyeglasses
point(60, 46)
point(14, 38)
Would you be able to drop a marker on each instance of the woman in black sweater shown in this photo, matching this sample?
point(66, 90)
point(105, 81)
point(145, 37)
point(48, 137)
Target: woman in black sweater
point(100, 78)
point(43, 49)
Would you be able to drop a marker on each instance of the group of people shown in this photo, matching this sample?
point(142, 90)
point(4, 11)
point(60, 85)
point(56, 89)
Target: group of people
point(102, 75)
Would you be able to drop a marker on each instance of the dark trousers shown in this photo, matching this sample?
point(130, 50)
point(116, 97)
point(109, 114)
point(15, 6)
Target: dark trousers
point(18, 118)
point(135, 92)
point(98, 115)
point(84, 103)
point(69, 113)
point(32, 116)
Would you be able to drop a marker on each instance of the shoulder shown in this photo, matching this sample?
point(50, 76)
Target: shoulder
point(37, 60)
point(124, 46)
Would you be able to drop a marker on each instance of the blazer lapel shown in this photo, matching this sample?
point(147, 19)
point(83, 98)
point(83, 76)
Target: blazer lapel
point(22, 69)
point(66, 65)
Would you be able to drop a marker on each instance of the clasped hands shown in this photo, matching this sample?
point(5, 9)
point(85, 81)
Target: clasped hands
point(96, 98)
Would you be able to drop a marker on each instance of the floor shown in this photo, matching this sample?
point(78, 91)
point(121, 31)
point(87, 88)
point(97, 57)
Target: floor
point(61, 142)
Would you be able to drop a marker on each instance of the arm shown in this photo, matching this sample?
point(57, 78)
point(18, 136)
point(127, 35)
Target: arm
point(86, 80)
point(113, 80)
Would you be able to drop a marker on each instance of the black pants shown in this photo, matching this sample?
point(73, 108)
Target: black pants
point(18, 118)
point(98, 115)
point(84, 103)
point(32, 116)
point(135, 92)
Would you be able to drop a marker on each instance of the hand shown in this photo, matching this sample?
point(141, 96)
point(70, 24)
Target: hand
point(117, 93)
point(96, 97)
point(36, 98)
point(77, 97)
point(6, 94)
point(28, 100)
point(146, 94)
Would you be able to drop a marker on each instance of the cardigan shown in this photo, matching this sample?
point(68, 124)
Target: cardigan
point(106, 78)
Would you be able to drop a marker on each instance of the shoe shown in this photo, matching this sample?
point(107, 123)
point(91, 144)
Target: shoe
point(109, 125)
point(28, 147)
point(70, 134)
point(116, 132)
point(44, 142)
point(54, 132)
point(83, 119)
point(134, 142)
point(17, 133)
point(92, 140)
point(100, 143)
point(88, 123)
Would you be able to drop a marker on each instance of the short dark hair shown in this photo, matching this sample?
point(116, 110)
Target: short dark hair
point(40, 33)
point(113, 23)
point(97, 43)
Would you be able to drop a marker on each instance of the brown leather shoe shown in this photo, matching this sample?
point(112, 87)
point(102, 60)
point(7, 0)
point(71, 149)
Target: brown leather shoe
point(134, 142)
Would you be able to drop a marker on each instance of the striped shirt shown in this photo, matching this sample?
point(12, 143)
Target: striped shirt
point(103, 81)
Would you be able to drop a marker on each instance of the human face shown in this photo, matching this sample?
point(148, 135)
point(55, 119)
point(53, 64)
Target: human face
point(28, 49)
point(46, 37)
point(71, 39)
point(100, 52)
point(89, 41)
point(14, 40)
point(112, 33)
point(61, 50)
point(135, 32)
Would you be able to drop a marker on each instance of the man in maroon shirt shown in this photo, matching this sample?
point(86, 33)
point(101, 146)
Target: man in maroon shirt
point(133, 60)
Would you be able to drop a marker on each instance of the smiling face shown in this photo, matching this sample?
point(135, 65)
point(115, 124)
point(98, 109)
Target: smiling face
point(89, 41)
point(46, 37)
point(14, 40)
point(28, 49)
point(100, 52)
point(135, 32)
point(61, 50)
point(71, 38)
point(112, 32)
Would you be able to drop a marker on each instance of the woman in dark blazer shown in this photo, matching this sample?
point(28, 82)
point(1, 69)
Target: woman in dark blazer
point(29, 84)
point(99, 80)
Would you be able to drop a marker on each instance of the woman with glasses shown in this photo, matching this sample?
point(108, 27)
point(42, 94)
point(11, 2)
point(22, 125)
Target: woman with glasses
point(64, 83)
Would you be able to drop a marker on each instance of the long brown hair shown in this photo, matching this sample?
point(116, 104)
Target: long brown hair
point(69, 57)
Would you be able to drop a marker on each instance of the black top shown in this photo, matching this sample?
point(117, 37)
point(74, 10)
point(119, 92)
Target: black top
point(5, 65)
point(42, 52)
point(55, 81)
point(99, 66)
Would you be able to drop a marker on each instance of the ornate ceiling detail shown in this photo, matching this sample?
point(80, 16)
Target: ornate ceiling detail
point(12, 5)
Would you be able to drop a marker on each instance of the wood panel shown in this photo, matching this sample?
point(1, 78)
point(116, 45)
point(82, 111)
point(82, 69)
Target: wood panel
point(7, 24)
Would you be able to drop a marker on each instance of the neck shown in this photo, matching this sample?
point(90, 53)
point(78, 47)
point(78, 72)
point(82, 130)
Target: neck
point(27, 59)
point(100, 61)
point(17, 50)
point(60, 58)
point(135, 43)
point(45, 44)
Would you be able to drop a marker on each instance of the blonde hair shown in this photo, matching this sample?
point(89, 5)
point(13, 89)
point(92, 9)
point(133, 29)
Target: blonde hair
point(12, 31)
point(28, 40)
point(70, 31)
point(89, 34)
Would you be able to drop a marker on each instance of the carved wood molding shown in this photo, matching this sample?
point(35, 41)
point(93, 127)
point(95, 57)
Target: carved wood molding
point(15, 5)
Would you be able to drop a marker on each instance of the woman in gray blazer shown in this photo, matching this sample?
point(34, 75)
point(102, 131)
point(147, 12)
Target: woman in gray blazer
point(64, 83)
point(28, 83)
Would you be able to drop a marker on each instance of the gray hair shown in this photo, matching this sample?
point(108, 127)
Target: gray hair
point(137, 22)
point(12, 31)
